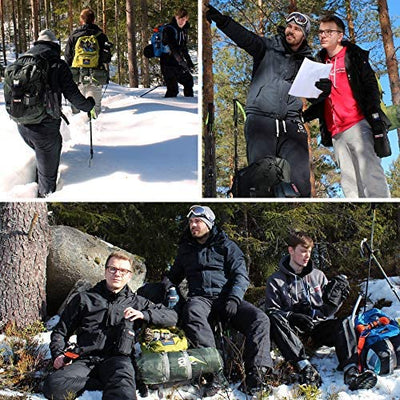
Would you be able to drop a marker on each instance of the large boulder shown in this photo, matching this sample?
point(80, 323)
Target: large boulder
point(75, 256)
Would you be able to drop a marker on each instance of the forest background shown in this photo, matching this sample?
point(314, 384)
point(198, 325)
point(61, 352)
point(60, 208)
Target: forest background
point(128, 24)
point(227, 74)
point(153, 231)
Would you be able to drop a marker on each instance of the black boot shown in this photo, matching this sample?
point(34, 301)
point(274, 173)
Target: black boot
point(214, 383)
point(359, 380)
point(308, 375)
point(255, 381)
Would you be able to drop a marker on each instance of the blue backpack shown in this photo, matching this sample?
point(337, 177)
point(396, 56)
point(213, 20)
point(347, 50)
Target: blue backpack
point(157, 40)
point(379, 341)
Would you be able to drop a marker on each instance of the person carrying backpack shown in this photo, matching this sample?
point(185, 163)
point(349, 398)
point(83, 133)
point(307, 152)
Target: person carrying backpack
point(88, 52)
point(38, 110)
point(176, 65)
point(300, 303)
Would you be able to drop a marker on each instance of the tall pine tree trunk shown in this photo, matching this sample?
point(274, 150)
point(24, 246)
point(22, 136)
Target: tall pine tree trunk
point(209, 172)
point(3, 38)
point(390, 52)
point(131, 37)
point(24, 238)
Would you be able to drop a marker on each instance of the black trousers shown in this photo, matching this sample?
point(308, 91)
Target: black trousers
point(332, 332)
point(115, 376)
point(285, 139)
point(45, 139)
point(173, 76)
point(249, 320)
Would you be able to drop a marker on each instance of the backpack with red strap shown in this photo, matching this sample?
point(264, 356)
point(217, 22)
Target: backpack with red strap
point(379, 342)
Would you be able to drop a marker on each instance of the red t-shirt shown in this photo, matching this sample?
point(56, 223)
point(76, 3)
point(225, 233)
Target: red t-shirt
point(341, 110)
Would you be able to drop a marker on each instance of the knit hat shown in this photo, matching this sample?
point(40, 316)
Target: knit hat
point(204, 213)
point(47, 35)
point(302, 20)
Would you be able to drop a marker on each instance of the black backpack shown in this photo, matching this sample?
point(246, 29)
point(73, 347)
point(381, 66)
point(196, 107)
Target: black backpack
point(268, 177)
point(26, 89)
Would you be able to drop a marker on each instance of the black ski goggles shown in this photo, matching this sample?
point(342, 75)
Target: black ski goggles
point(299, 18)
point(197, 211)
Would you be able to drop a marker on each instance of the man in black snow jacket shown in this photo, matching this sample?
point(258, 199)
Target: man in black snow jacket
point(176, 65)
point(104, 319)
point(273, 125)
point(45, 138)
point(301, 303)
point(215, 269)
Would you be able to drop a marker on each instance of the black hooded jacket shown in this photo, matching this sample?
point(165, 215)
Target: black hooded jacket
point(176, 39)
point(60, 76)
point(275, 66)
point(84, 30)
point(216, 268)
point(96, 316)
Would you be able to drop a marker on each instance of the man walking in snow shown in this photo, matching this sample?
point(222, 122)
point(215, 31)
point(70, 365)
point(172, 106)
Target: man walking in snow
point(44, 137)
point(215, 269)
point(351, 116)
point(273, 124)
point(301, 303)
point(105, 319)
point(90, 78)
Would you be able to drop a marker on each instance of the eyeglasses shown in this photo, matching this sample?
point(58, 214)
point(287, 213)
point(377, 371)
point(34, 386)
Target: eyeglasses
point(114, 270)
point(328, 32)
point(298, 18)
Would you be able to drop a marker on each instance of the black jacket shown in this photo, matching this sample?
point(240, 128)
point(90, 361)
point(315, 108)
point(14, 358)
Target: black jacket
point(216, 268)
point(84, 30)
point(96, 316)
point(363, 84)
point(60, 76)
point(275, 66)
point(176, 39)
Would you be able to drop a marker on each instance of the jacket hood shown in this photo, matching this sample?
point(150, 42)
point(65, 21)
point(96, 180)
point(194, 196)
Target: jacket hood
point(287, 269)
point(44, 46)
point(322, 54)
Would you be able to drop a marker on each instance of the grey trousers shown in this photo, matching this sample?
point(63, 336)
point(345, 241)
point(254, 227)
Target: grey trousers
point(362, 174)
point(91, 90)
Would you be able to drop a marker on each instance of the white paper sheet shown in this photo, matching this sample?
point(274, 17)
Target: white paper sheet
point(309, 73)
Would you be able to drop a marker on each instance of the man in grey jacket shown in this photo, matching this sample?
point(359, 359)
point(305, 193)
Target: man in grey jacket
point(301, 303)
point(273, 125)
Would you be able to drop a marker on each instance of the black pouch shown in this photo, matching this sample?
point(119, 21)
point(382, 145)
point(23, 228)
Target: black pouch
point(126, 340)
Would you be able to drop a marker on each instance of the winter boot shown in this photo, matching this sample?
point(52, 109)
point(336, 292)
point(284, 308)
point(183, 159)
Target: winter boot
point(214, 383)
point(359, 380)
point(255, 381)
point(308, 375)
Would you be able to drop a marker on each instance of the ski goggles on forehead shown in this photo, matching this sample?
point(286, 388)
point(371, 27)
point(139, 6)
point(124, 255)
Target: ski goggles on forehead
point(298, 18)
point(197, 211)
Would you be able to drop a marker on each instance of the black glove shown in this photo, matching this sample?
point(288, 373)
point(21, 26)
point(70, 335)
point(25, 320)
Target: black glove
point(378, 126)
point(91, 100)
point(230, 308)
point(213, 14)
point(325, 85)
point(303, 308)
point(336, 291)
point(303, 322)
point(379, 131)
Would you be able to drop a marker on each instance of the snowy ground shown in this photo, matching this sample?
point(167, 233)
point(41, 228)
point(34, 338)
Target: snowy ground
point(387, 388)
point(145, 149)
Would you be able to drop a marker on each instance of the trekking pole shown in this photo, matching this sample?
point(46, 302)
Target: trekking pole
point(91, 141)
point(365, 245)
point(150, 90)
point(235, 144)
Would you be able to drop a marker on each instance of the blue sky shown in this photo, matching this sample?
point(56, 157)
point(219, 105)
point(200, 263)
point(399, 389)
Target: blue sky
point(394, 10)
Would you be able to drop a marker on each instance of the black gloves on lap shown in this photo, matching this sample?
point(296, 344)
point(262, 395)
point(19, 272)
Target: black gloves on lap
point(303, 322)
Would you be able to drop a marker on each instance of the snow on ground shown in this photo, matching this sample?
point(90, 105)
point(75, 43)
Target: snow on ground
point(145, 149)
point(387, 388)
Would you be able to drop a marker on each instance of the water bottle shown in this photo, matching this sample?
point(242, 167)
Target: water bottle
point(172, 297)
